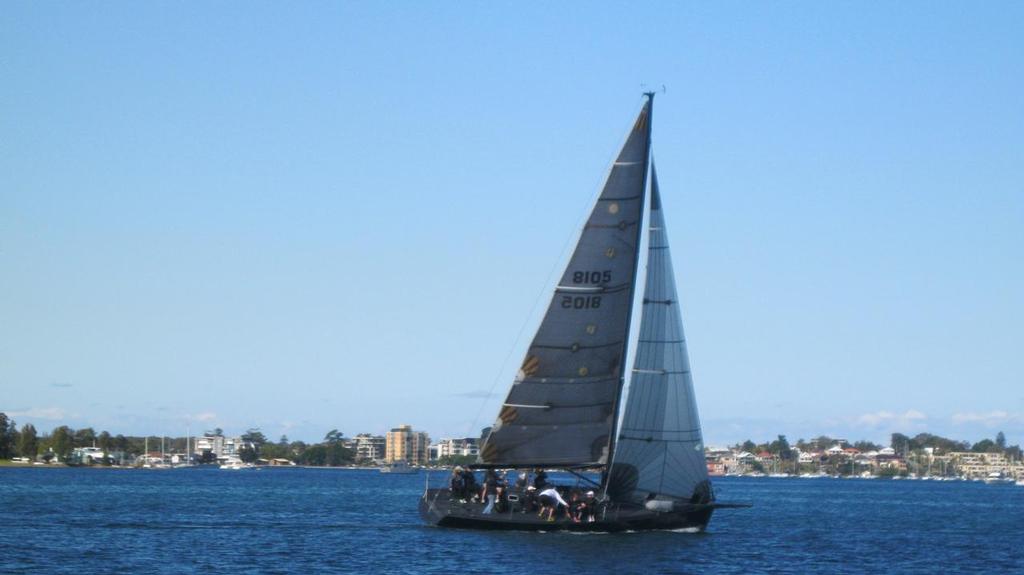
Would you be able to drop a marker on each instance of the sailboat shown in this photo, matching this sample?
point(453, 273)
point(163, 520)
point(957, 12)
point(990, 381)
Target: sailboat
point(563, 409)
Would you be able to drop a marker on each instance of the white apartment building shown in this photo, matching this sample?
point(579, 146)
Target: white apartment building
point(466, 446)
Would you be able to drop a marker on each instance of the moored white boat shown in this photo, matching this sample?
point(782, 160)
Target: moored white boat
point(998, 478)
point(401, 467)
point(236, 465)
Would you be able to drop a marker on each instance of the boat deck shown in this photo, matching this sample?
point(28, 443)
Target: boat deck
point(438, 508)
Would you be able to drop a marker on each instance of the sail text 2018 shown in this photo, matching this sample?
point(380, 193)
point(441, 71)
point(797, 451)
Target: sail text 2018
point(581, 302)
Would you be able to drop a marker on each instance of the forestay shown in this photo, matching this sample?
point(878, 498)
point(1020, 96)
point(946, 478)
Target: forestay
point(562, 407)
point(660, 451)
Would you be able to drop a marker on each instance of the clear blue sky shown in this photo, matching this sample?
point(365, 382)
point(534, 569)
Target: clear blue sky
point(318, 215)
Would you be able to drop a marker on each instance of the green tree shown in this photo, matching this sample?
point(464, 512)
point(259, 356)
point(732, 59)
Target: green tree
point(85, 437)
point(1001, 440)
point(985, 446)
point(900, 443)
point(8, 436)
point(28, 443)
point(62, 441)
point(274, 451)
point(248, 454)
point(781, 448)
point(749, 446)
point(334, 436)
point(940, 444)
point(866, 446)
point(105, 442)
point(338, 454)
point(822, 442)
point(255, 436)
point(314, 455)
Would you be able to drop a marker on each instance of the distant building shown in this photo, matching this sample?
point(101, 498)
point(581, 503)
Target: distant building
point(466, 446)
point(972, 464)
point(404, 444)
point(212, 443)
point(369, 447)
point(221, 447)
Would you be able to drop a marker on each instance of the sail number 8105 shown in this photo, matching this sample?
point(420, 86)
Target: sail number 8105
point(601, 277)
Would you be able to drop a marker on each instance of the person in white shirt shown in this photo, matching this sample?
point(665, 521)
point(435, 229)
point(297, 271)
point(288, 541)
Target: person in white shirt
point(550, 499)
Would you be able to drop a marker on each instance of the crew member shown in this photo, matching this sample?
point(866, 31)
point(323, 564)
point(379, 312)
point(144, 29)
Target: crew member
point(550, 499)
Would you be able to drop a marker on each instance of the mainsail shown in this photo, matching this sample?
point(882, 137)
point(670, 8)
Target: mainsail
point(562, 408)
point(660, 452)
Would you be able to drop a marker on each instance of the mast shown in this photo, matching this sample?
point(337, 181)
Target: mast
point(629, 315)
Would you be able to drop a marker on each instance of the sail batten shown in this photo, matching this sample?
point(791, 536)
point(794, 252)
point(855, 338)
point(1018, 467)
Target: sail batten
point(574, 365)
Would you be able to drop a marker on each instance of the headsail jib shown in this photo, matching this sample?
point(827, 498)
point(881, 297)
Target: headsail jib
point(562, 406)
point(660, 451)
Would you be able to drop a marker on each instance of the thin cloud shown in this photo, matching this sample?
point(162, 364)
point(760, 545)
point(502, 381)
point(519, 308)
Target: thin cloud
point(204, 417)
point(879, 418)
point(62, 384)
point(990, 419)
point(50, 413)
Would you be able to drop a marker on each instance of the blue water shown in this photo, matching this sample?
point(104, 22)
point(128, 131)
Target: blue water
point(86, 521)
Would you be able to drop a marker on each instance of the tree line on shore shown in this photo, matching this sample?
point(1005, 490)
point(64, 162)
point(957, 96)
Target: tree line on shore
point(899, 442)
point(63, 440)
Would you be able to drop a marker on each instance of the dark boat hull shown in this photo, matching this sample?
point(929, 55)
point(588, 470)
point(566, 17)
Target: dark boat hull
point(436, 508)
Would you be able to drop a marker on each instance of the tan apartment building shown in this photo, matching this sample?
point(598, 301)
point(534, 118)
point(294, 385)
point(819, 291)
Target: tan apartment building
point(404, 444)
point(981, 464)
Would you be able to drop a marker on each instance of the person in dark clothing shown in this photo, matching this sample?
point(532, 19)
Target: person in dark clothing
point(489, 492)
point(457, 485)
point(469, 483)
point(540, 479)
point(588, 511)
point(530, 503)
point(575, 506)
